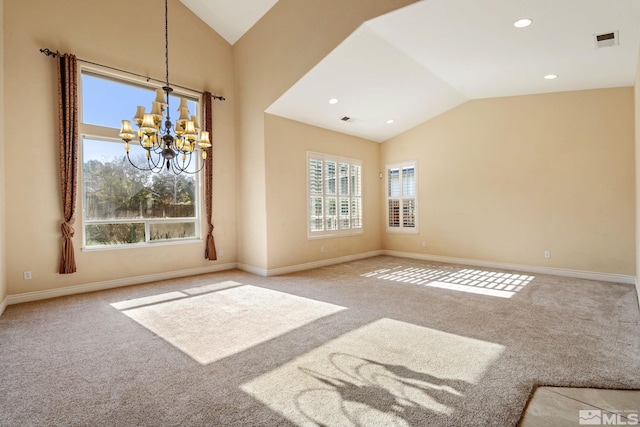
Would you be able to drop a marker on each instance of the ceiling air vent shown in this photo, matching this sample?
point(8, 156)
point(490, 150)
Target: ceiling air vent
point(607, 39)
point(346, 119)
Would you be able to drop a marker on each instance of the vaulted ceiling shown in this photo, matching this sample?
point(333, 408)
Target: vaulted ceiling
point(403, 68)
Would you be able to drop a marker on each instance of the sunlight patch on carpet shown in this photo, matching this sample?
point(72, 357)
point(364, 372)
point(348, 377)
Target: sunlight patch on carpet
point(484, 282)
point(212, 322)
point(384, 373)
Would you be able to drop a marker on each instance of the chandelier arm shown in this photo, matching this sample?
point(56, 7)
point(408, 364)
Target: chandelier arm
point(136, 166)
point(153, 166)
point(177, 169)
point(191, 157)
point(158, 163)
point(157, 151)
point(201, 164)
point(133, 164)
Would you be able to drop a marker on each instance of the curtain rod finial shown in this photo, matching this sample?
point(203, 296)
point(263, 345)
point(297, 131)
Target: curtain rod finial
point(48, 52)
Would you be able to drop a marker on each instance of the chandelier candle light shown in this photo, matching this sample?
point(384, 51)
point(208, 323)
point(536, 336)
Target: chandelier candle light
point(155, 131)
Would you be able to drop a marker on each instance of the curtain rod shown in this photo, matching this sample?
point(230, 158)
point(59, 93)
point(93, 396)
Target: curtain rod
point(48, 52)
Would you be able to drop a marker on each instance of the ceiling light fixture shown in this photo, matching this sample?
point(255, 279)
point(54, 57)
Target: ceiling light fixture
point(389, 121)
point(333, 101)
point(551, 76)
point(522, 23)
point(155, 132)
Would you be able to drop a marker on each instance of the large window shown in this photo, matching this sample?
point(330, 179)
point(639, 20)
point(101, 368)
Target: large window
point(335, 195)
point(402, 198)
point(121, 204)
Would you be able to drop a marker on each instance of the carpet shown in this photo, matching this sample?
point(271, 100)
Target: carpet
point(382, 341)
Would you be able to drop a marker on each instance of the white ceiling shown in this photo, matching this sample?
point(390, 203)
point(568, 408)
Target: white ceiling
point(419, 61)
point(230, 18)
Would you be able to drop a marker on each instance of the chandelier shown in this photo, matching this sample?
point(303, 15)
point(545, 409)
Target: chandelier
point(173, 148)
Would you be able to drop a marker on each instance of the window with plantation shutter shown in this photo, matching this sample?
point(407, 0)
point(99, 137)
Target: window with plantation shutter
point(402, 197)
point(334, 195)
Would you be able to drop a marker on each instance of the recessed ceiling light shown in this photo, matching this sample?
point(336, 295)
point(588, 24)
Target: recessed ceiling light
point(551, 76)
point(521, 23)
point(389, 121)
point(333, 101)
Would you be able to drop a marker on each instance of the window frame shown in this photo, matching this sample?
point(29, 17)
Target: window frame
point(110, 135)
point(401, 228)
point(339, 231)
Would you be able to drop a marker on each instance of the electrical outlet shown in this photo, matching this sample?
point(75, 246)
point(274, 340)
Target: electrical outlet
point(424, 243)
point(26, 275)
point(220, 252)
point(322, 249)
point(547, 254)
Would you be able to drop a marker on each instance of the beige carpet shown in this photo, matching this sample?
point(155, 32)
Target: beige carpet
point(377, 342)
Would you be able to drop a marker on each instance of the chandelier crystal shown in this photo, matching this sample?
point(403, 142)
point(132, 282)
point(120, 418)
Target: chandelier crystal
point(173, 148)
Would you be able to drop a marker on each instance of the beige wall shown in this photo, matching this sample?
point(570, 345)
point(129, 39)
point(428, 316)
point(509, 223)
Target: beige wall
point(285, 44)
point(287, 143)
point(506, 179)
point(500, 179)
point(637, 157)
point(94, 31)
point(3, 279)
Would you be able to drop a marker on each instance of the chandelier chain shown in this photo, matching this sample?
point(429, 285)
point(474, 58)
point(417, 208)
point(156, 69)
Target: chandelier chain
point(166, 39)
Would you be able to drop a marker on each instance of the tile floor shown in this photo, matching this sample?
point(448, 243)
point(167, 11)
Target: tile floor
point(562, 406)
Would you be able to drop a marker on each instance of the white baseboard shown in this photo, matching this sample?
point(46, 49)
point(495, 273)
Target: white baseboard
point(3, 305)
point(251, 269)
point(579, 274)
point(321, 263)
point(110, 284)
point(91, 287)
point(306, 266)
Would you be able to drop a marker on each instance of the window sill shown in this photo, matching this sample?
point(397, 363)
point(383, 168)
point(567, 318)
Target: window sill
point(334, 235)
point(141, 245)
point(393, 231)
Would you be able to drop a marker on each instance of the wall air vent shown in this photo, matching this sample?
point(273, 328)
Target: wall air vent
point(606, 39)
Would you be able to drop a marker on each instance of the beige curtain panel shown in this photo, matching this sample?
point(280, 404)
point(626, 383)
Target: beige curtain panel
point(68, 141)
